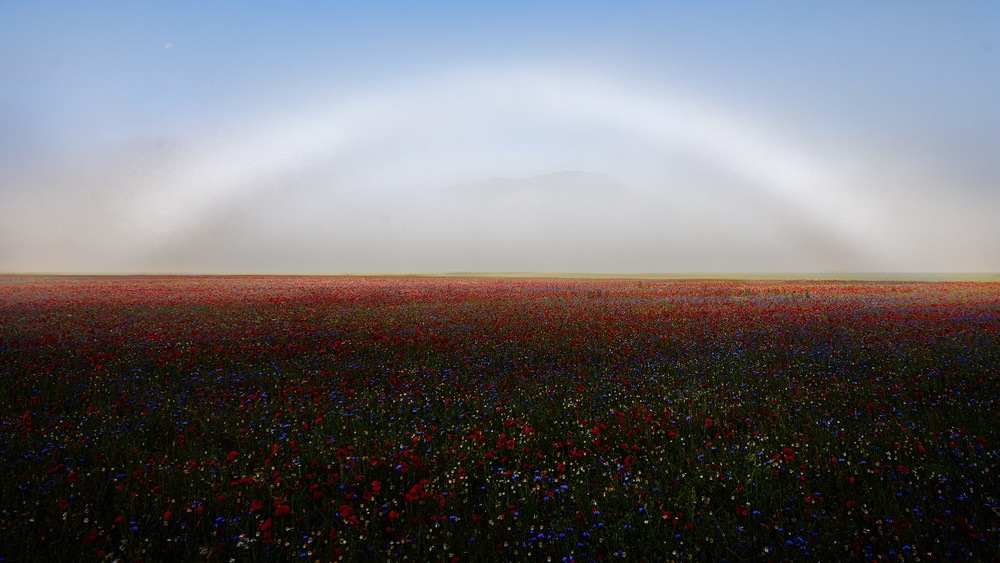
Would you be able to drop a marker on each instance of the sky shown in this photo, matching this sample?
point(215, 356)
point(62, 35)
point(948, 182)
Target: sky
point(395, 137)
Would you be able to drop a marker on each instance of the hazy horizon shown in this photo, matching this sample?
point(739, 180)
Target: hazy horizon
point(551, 137)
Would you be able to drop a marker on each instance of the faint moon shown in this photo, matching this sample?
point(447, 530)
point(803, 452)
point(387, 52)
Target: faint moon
point(168, 46)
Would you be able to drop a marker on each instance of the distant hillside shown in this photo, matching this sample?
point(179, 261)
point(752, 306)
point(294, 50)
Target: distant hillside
point(562, 184)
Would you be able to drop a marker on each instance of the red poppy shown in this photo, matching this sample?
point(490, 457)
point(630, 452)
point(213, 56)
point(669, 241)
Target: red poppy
point(628, 461)
point(282, 510)
point(63, 503)
point(256, 505)
point(346, 511)
point(851, 504)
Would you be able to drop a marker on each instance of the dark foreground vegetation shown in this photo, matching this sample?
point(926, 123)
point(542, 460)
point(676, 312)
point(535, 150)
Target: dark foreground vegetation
point(270, 419)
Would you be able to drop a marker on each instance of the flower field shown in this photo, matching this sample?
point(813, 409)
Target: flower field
point(488, 419)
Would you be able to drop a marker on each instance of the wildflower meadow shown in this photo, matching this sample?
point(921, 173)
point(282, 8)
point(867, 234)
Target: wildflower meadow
point(497, 419)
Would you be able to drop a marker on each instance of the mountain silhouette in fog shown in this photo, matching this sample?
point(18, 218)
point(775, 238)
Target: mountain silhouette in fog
point(563, 184)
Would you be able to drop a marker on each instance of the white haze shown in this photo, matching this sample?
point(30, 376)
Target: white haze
point(594, 176)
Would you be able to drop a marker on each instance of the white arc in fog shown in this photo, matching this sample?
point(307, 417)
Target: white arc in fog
point(368, 136)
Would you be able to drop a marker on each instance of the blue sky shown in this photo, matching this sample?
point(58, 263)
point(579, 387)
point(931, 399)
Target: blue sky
point(315, 137)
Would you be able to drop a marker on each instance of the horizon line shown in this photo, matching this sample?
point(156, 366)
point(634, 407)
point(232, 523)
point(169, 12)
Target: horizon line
point(665, 276)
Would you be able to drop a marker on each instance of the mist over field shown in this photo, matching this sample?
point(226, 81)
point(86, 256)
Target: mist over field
point(499, 281)
point(550, 138)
